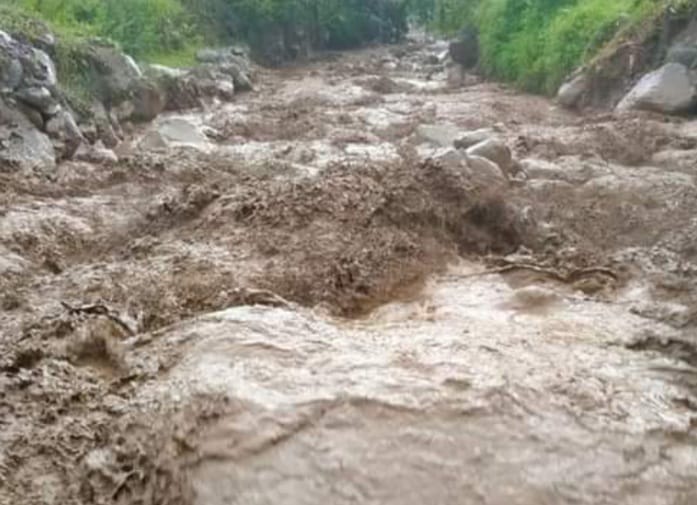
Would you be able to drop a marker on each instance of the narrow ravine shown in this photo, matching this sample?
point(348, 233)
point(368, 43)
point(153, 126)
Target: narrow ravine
point(310, 296)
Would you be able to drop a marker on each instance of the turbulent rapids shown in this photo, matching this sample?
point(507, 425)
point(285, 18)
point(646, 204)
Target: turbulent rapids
point(310, 295)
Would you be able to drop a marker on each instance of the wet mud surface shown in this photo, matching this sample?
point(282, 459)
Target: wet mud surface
point(320, 306)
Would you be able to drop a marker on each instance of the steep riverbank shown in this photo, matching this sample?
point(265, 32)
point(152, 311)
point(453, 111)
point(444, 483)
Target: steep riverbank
point(310, 295)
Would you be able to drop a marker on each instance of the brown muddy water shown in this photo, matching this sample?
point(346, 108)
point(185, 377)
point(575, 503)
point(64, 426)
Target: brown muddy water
point(321, 303)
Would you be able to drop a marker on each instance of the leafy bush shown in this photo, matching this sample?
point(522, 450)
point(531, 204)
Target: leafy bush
point(171, 29)
point(536, 43)
point(141, 27)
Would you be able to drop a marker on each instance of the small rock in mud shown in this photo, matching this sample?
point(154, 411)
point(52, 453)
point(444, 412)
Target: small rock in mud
point(443, 135)
point(172, 132)
point(97, 154)
point(494, 150)
point(470, 138)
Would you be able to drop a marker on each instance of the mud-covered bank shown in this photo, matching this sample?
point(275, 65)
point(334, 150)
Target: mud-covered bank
point(311, 295)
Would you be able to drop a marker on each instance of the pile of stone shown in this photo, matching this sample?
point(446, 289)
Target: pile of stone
point(669, 89)
point(482, 154)
point(42, 123)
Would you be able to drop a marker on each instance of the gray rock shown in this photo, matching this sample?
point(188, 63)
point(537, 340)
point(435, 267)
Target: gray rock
point(240, 78)
point(122, 112)
point(449, 157)
point(40, 98)
point(172, 132)
point(494, 150)
point(11, 73)
point(183, 92)
point(97, 154)
point(670, 89)
point(115, 73)
point(32, 114)
point(229, 61)
point(164, 72)
point(485, 173)
point(683, 54)
point(225, 90)
point(570, 169)
point(571, 91)
point(470, 138)
point(104, 125)
point(65, 133)
point(211, 55)
point(24, 65)
point(38, 68)
point(148, 101)
point(22, 146)
point(443, 135)
point(465, 50)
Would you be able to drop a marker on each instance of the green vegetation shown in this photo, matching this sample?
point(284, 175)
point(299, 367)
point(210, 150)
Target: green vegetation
point(532, 43)
point(144, 28)
point(536, 43)
point(170, 31)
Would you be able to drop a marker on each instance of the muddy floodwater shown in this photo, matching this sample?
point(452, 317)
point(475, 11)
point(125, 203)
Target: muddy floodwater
point(316, 299)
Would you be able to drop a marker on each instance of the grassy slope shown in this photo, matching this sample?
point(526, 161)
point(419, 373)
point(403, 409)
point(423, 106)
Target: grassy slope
point(536, 43)
point(151, 30)
point(170, 31)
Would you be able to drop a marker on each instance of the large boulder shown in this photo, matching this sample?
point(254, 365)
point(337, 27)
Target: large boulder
point(670, 89)
point(571, 92)
point(28, 78)
point(465, 50)
point(148, 101)
point(23, 66)
point(97, 154)
point(469, 138)
point(494, 150)
point(40, 98)
point(11, 68)
point(220, 74)
point(485, 173)
point(212, 81)
point(684, 54)
point(23, 147)
point(65, 133)
point(113, 73)
point(220, 55)
point(106, 127)
point(180, 88)
point(174, 132)
point(443, 135)
point(230, 61)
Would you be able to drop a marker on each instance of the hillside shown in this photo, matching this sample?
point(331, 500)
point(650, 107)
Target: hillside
point(537, 43)
point(170, 31)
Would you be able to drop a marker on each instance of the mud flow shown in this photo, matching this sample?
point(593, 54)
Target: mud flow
point(319, 300)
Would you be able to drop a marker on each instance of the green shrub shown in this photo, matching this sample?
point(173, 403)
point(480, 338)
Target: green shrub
point(140, 27)
point(536, 43)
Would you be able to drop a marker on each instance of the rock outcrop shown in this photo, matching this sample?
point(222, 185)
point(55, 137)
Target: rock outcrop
point(670, 89)
point(32, 112)
point(571, 92)
point(654, 70)
point(174, 132)
point(22, 145)
point(41, 123)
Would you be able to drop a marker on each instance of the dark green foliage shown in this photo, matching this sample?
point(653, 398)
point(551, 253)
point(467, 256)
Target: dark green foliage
point(141, 27)
point(147, 28)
